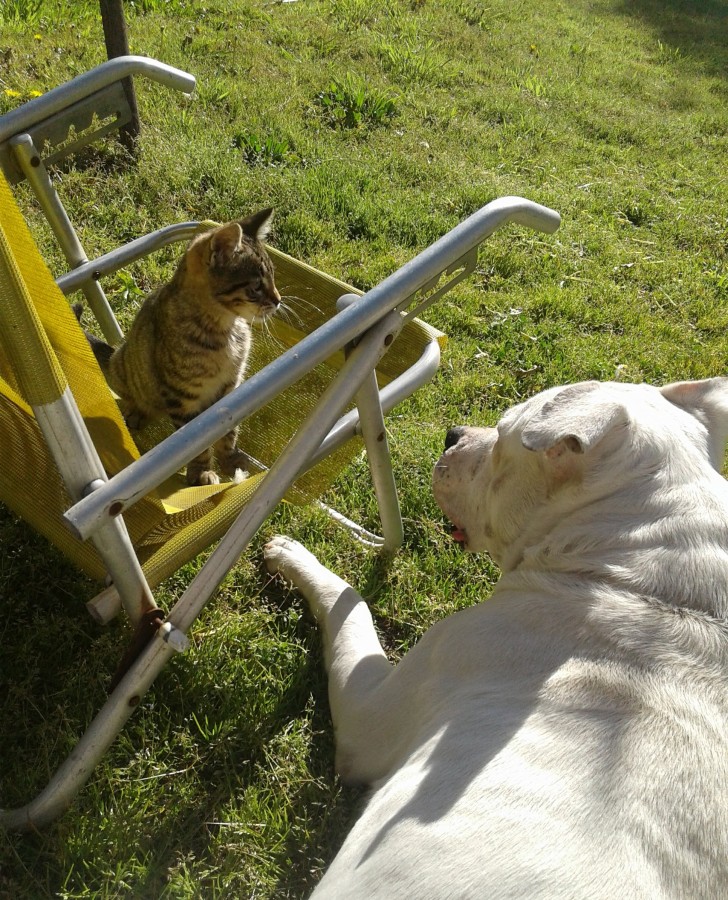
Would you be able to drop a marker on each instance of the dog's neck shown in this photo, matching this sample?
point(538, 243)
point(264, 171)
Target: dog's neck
point(673, 552)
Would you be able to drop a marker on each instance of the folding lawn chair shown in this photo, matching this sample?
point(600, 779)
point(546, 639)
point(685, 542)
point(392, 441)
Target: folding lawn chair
point(128, 516)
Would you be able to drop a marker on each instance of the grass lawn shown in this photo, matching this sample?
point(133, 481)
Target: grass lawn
point(372, 126)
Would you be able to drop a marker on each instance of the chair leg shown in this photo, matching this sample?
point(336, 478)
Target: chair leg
point(374, 433)
point(78, 766)
point(81, 470)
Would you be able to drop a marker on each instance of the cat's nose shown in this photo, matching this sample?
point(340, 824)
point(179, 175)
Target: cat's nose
point(453, 436)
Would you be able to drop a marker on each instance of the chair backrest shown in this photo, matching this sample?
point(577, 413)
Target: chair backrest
point(66, 132)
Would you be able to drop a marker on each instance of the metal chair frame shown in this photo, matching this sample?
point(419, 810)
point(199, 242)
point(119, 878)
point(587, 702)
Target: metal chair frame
point(365, 325)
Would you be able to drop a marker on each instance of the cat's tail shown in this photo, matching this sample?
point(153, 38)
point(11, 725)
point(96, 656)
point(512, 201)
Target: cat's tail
point(102, 351)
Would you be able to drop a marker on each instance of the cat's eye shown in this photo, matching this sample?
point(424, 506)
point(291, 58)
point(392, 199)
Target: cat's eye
point(237, 292)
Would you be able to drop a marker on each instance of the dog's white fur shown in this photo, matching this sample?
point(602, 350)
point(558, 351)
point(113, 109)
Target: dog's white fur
point(567, 738)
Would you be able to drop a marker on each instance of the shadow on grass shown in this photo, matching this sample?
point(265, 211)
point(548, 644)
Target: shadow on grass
point(694, 30)
point(241, 762)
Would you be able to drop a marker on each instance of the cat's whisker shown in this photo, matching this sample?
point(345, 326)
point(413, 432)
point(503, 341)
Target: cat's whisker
point(292, 316)
point(266, 335)
point(300, 302)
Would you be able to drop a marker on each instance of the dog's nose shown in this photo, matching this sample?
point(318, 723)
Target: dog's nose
point(453, 436)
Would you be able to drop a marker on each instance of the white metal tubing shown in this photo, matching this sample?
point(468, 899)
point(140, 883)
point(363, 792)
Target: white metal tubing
point(360, 534)
point(31, 163)
point(374, 433)
point(78, 766)
point(37, 175)
point(82, 86)
point(129, 253)
point(390, 395)
point(128, 486)
point(79, 465)
point(105, 606)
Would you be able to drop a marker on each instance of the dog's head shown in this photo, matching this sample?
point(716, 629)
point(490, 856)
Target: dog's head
point(505, 488)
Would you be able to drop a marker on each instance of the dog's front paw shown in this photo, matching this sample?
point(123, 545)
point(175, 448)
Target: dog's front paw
point(279, 551)
point(286, 557)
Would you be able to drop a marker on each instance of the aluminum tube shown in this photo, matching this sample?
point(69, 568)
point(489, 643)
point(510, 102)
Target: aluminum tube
point(30, 162)
point(36, 173)
point(79, 464)
point(123, 256)
point(78, 766)
point(105, 605)
point(390, 395)
point(374, 433)
point(59, 98)
point(160, 462)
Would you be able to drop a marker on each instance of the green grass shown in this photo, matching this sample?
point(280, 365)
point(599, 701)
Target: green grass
point(373, 128)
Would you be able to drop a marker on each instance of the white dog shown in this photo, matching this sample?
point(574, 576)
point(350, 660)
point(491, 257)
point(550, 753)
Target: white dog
point(567, 738)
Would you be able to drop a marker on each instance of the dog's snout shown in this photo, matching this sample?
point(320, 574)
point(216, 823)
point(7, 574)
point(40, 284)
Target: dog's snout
point(453, 436)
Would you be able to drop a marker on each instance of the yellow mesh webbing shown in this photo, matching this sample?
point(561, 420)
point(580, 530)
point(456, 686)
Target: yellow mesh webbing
point(31, 486)
point(311, 296)
point(69, 346)
point(30, 293)
point(27, 360)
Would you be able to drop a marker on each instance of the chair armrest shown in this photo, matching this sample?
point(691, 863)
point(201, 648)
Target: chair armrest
point(129, 253)
point(82, 86)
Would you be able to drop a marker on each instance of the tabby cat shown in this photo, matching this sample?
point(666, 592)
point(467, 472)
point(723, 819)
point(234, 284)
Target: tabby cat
point(189, 343)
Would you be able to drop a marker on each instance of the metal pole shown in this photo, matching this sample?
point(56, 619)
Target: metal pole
point(117, 44)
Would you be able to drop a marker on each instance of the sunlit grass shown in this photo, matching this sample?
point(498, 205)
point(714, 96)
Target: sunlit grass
point(372, 128)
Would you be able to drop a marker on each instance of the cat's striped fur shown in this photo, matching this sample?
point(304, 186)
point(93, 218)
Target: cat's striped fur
point(188, 345)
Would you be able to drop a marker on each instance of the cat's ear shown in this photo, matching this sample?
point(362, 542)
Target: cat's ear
point(224, 243)
point(258, 225)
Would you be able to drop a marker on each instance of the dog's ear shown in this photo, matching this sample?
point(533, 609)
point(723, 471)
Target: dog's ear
point(573, 421)
point(708, 401)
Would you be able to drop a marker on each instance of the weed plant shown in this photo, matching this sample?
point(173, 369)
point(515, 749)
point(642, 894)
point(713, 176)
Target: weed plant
point(349, 103)
point(372, 126)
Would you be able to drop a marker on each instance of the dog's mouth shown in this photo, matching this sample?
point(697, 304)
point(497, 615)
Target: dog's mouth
point(458, 535)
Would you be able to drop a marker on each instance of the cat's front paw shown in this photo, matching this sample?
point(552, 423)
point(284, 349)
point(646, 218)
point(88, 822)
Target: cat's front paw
point(233, 461)
point(202, 478)
point(135, 420)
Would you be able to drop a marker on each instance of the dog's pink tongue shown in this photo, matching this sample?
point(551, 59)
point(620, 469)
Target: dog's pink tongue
point(458, 535)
